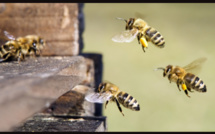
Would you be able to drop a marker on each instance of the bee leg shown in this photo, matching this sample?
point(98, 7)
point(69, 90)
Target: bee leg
point(141, 40)
point(5, 57)
point(35, 54)
point(106, 104)
point(189, 89)
point(32, 55)
point(138, 37)
point(119, 107)
point(186, 93)
point(143, 48)
point(178, 83)
point(169, 76)
point(38, 52)
point(184, 87)
point(20, 57)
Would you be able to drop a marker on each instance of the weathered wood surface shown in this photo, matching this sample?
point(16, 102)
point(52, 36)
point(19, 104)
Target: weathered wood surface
point(72, 103)
point(57, 23)
point(33, 84)
point(47, 123)
point(98, 65)
point(70, 112)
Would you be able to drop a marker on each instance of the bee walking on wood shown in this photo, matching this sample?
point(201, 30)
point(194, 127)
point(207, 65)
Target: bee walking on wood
point(183, 76)
point(110, 92)
point(140, 29)
point(16, 49)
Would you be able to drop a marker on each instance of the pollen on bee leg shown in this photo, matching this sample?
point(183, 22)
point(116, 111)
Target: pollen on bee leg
point(184, 87)
point(144, 42)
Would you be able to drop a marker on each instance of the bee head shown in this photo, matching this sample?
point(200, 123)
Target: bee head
point(34, 44)
point(129, 24)
point(167, 70)
point(41, 42)
point(102, 87)
point(38, 40)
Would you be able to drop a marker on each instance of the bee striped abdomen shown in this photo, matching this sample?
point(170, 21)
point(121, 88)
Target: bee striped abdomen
point(195, 82)
point(128, 101)
point(3, 51)
point(155, 37)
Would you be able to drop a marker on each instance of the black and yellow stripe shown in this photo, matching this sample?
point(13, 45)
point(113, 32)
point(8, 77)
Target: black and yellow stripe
point(4, 51)
point(195, 82)
point(128, 101)
point(155, 37)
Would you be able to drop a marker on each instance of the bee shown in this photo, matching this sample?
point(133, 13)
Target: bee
point(136, 27)
point(36, 43)
point(18, 48)
point(110, 92)
point(183, 76)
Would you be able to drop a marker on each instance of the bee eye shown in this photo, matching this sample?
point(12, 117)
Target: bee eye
point(41, 41)
point(34, 44)
point(102, 87)
point(130, 22)
point(168, 69)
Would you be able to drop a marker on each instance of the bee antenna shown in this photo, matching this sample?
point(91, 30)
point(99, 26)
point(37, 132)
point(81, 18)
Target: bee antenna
point(160, 68)
point(121, 19)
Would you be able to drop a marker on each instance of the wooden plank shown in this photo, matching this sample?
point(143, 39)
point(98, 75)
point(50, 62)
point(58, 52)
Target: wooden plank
point(49, 25)
point(47, 123)
point(72, 103)
point(28, 87)
point(37, 9)
point(67, 49)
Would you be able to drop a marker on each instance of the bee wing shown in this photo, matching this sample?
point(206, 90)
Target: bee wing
point(195, 66)
point(139, 15)
point(5, 36)
point(9, 36)
point(125, 36)
point(97, 97)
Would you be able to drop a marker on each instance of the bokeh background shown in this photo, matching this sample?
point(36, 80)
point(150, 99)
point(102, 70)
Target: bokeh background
point(189, 31)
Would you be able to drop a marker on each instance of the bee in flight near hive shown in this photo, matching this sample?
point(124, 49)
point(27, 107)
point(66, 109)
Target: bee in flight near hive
point(183, 76)
point(140, 29)
point(17, 48)
point(110, 92)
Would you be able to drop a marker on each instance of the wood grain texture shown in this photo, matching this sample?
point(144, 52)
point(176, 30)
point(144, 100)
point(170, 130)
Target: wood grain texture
point(28, 87)
point(48, 123)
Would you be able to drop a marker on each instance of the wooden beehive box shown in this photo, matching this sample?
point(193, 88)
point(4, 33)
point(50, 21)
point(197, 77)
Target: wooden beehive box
point(57, 23)
point(56, 81)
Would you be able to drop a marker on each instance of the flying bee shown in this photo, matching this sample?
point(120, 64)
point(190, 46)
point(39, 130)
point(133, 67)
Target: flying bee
point(20, 47)
point(140, 29)
point(110, 92)
point(183, 76)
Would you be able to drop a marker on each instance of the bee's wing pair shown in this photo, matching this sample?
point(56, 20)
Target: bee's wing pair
point(195, 66)
point(125, 36)
point(5, 36)
point(98, 97)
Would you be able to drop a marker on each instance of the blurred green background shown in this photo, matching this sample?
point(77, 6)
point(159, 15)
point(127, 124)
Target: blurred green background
point(188, 30)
